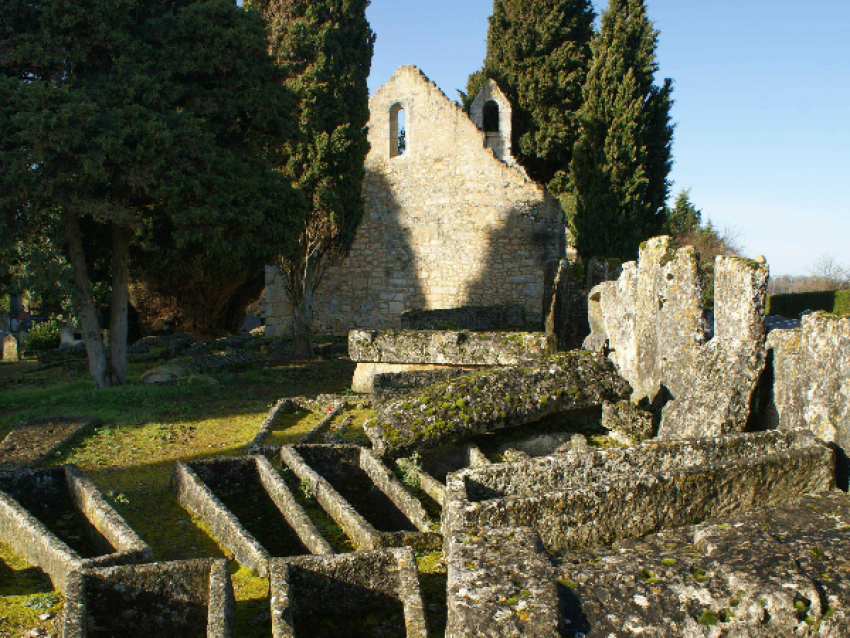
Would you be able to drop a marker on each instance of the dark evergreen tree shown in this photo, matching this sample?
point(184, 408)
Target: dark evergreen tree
point(324, 50)
point(538, 52)
point(623, 157)
point(140, 118)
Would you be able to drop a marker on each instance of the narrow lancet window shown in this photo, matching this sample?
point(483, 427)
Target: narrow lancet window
point(399, 142)
point(491, 117)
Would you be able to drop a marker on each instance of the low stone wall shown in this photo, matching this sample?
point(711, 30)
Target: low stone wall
point(811, 371)
point(769, 572)
point(449, 347)
point(442, 462)
point(476, 318)
point(361, 531)
point(180, 599)
point(197, 497)
point(604, 495)
point(341, 592)
point(500, 584)
point(493, 400)
point(112, 540)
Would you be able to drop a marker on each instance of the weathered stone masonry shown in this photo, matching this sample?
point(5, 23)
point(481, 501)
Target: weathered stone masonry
point(447, 222)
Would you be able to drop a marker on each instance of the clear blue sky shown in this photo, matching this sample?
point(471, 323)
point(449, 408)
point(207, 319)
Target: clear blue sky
point(762, 91)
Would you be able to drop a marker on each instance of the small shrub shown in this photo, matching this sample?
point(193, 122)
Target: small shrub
point(306, 487)
point(43, 336)
point(410, 469)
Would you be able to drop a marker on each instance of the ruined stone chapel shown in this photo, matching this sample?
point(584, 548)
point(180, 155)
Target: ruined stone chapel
point(450, 218)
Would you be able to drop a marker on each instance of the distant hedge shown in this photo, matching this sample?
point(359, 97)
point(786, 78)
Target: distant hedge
point(791, 305)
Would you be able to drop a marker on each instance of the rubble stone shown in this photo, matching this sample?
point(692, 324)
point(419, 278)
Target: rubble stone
point(629, 419)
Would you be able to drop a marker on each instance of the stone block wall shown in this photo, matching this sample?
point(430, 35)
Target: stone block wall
point(447, 223)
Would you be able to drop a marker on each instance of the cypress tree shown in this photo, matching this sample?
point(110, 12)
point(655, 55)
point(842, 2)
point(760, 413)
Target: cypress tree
point(623, 156)
point(538, 52)
point(324, 50)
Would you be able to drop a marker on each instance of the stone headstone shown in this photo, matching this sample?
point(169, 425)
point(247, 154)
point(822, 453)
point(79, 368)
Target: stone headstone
point(10, 348)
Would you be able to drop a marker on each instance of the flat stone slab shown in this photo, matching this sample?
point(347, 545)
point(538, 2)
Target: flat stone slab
point(771, 572)
point(601, 496)
point(494, 399)
point(33, 441)
point(248, 508)
point(373, 593)
point(58, 521)
point(179, 599)
point(378, 377)
point(449, 347)
point(500, 583)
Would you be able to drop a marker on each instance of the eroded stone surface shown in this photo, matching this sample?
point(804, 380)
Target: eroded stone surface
point(449, 347)
point(717, 389)
point(407, 374)
point(605, 495)
point(492, 400)
point(500, 583)
point(626, 417)
point(769, 573)
point(476, 318)
point(811, 369)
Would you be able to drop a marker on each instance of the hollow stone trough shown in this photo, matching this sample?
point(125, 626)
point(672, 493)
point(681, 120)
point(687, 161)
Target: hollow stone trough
point(395, 518)
point(601, 496)
point(179, 599)
point(316, 596)
point(58, 521)
point(199, 484)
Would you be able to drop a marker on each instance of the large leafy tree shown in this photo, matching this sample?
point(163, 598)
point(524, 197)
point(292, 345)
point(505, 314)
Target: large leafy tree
point(324, 50)
point(623, 157)
point(538, 52)
point(142, 119)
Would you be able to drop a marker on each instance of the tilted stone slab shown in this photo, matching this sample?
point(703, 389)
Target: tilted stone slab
point(449, 347)
point(478, 318)
point(196, 485)
point(500, 583)
point(768, 573)
point(493, 400)
point(58, 521)
point(394, 517)
point(362, 594)
point(36, 440)
point(718, 389)
point(367, 375)
point(180, 599)
point(811, 372)
point(386, 385)
point(605, 495)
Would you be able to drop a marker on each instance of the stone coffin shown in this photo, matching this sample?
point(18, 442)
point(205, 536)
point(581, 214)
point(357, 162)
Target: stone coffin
point(272, 523)
point(57, 520)
point(602, 496)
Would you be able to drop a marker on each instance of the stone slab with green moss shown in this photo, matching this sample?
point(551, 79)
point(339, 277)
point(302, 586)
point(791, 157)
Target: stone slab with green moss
point(494, 399)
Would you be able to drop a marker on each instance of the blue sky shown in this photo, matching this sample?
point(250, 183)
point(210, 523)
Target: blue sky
point(762, 91)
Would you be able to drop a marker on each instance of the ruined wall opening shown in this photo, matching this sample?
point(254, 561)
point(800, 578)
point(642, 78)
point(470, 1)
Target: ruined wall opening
point(491, 117)
point(398, 131)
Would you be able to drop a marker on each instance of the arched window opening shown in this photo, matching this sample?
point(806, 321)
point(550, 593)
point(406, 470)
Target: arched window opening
point(491, 117)
point(398, 131)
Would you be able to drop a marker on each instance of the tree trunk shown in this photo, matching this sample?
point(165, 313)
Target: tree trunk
point(302, 313)
point(118, 304)
point(88, 313)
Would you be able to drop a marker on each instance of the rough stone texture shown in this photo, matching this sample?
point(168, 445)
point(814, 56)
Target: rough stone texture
point(606, 495)
point(652, 318)
point(24, 494)
point(811, 370)
point(626, 417)
point(447, 224)
point(388, 384)
point(193, 492)
point(500, 583)
point(449, 347)
point(363, 380)
point(10, 348)
point(36, 440)
point(319, 596)
point(716, 391)
point(492, 400)
point(476, 318)
point(180, 599)
point(500, 140)
point(400, 510)
point(566, 306)
point(769, 573)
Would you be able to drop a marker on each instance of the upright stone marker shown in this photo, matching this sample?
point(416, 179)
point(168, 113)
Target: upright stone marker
point(10, 348)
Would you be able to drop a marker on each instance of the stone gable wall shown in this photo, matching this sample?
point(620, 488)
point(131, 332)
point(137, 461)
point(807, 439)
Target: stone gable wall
point(447, 224)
